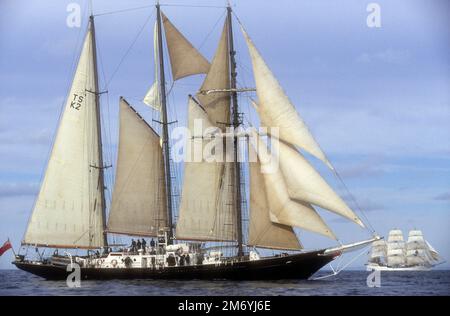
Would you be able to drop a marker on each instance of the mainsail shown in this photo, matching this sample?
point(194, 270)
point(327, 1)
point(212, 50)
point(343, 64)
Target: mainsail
point(205, 210)
point(68, 212)
point(139, 198)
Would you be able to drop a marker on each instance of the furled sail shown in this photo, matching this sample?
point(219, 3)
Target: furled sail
point(68, 212)
point(283, 209)
point(304, 183)
point(139, 201)
point(217, 105)
point(185, 60)
point(276, 110)
point(262, 231)
point(206, 209)
point(152, 98)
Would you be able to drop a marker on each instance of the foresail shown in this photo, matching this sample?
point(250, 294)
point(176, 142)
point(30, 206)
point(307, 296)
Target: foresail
point(283, 209)
point(262, 231)
point(206, 209)
point(276, 110)
point(185, 60)
point(217, 105)
point(139, 200)
point(68, 211)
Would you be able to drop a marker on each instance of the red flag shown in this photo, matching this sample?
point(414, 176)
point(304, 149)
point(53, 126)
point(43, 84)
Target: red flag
point(7, 245)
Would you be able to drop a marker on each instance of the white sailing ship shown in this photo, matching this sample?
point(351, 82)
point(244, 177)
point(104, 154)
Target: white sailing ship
point(395, 255)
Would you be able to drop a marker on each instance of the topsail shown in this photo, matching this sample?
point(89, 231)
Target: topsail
point(185, 60)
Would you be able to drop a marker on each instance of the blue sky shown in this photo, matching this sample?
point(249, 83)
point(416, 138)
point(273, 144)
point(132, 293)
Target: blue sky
point(376, 99)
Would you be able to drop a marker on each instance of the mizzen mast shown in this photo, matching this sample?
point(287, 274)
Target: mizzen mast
point(165, 126)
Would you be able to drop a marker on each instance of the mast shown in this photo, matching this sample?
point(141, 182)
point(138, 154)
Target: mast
point(165, 134)
point(100, 167)
point(236, 123)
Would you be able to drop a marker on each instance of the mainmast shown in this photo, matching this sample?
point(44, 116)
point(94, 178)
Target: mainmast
point(100, 167)
point(235, 122)
point(165, 129)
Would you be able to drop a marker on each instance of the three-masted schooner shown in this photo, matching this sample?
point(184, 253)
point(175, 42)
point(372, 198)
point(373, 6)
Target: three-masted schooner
point(70, 209)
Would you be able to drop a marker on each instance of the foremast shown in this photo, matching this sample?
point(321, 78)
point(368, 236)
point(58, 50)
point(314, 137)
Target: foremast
point(165, 127)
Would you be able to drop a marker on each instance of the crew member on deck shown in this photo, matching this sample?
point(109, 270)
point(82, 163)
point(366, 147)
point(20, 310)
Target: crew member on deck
point(133, 245)
point(139, 245)
point(144, 244)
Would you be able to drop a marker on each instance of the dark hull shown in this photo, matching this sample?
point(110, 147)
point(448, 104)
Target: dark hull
point(296, 266)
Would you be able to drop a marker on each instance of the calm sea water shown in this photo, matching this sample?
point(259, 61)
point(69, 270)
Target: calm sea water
point(15, 282)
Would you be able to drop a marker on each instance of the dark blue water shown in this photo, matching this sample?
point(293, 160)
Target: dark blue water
point(15, 282)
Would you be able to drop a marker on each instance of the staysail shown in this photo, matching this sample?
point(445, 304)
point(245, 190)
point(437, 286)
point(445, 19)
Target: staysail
point(205, 213)
point(185, 60)
point(283, 209)
point(276, 110)
point(68, 212)
point(306, 184)
point(139, 199)
point(262, 231)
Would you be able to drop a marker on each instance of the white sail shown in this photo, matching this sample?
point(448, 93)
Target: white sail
point(139, 200)
point(283, 209)
point(185, 60)
point(395, 245)
point(378, 250)
point(434, 254)
point(262, 231)
point(305, 184)
point(276, 110)
point(68, 212)
point(418, 257)
point(152, 98)
point(395, 235)
point(217, 105)
point(396, 260)
point(396, 255)
point(206, 209)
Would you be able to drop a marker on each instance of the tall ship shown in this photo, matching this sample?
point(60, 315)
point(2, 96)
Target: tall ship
point(235, 218)
point(416, 254)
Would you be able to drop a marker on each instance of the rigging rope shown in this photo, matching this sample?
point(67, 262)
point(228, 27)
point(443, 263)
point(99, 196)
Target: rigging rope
point(129, 49)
